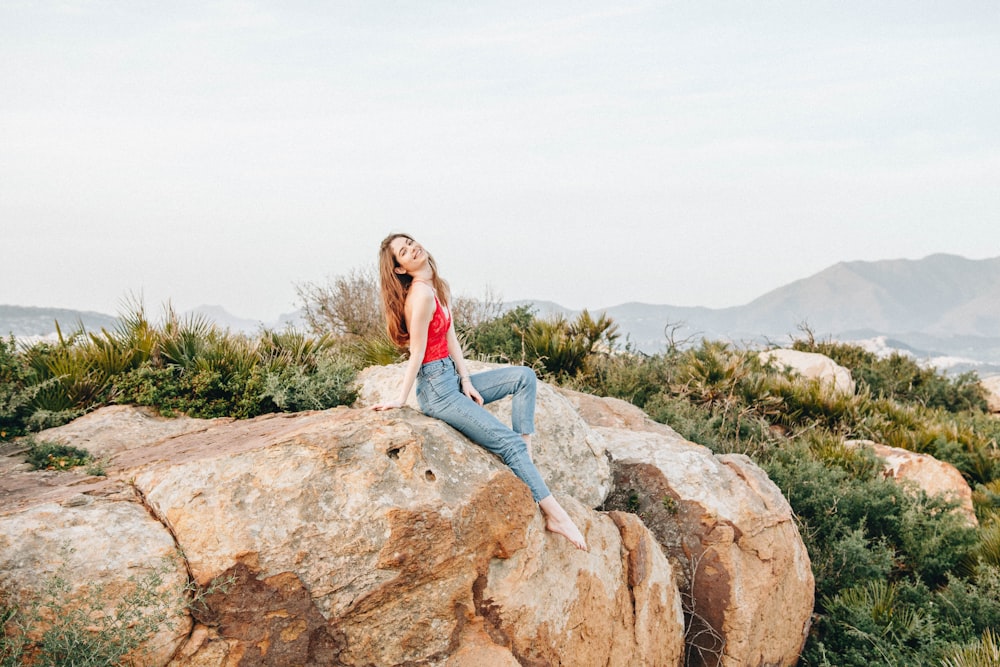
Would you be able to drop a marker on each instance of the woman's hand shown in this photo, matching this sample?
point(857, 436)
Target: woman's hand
point(389, 406)
point(470, 391)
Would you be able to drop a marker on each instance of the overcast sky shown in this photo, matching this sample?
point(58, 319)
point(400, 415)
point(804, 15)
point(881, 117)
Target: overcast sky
point(684, 153)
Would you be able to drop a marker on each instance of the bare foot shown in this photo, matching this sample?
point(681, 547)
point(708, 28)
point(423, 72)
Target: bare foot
point(560, 523)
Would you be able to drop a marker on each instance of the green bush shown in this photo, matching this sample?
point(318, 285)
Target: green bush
point(844, 514)
point(293, 388)
point(201, 393)
point(15, 394)
point(630, 376)
point(500, 339)
point(55, 456)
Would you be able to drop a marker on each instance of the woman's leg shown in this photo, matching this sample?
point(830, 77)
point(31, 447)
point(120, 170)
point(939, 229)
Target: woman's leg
point(520, 383)
point(480, 426)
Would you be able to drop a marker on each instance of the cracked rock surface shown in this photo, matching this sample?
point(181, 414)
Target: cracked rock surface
point(743, 569)
point(350, 537)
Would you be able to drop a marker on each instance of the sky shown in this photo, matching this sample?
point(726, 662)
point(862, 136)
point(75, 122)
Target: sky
point(691, 153)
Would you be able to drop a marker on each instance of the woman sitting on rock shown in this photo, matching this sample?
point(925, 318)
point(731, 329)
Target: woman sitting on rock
point(416, 304)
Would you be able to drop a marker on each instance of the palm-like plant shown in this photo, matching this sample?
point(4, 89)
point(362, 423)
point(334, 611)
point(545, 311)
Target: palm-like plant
point(712, 373)
point(183, 341)
point(983, 653)
point(874, 614)
point(279, 348)
point(553, 346)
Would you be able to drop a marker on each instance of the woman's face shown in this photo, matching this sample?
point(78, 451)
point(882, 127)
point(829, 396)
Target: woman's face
point(409, 254)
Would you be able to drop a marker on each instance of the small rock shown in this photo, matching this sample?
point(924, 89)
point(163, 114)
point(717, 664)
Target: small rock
point(78, 500)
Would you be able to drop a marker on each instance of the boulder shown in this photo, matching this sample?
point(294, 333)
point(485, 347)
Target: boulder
point(933, 476)
point(745, 573)
point(118, 428)
point(354, 537)
point(568, 453)
point(104, 433)
point(393, 523)
point(992, 386)
point(86, 556)
point(813, 366)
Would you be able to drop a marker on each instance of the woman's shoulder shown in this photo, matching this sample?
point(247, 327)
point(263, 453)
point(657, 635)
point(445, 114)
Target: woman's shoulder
point(421, 296)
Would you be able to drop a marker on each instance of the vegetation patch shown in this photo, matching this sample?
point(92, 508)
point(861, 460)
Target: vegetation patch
point(93, 630)
point(55, 456)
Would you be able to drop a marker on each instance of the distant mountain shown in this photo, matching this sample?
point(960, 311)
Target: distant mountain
point(940, 295)
point(226, 320)
point(937, 306)
point(30, 321)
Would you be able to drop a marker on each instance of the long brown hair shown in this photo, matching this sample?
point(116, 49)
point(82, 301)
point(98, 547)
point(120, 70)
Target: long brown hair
point(395, 286)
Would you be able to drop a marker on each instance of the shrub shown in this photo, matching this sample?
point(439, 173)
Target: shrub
point(15, 395)
point(293, 388)
point(630, 376)
point(347, 305)
point(500, 339)
point(201, 393)
point(55, 456)
point(971, 605)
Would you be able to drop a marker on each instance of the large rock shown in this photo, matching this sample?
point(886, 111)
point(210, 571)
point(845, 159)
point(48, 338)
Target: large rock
point(352, 537)
point(86, 556)
point(992, 386)
point(933, 476)
point(745, 572)
point(394, 523)
point(813, 366)
point(104, 433)
point(118, 428)
point(568, 453)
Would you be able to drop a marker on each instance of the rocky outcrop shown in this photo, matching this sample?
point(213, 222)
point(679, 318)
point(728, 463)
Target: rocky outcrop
point(933, 476)
point(86, 555)
point(813, 366)
point(568, 453)
point(350, 537)
point(992, 387)
point(354, 537)
point(745, 573)
point(119, 428)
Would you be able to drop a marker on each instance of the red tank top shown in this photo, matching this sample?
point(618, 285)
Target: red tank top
point(437, 334)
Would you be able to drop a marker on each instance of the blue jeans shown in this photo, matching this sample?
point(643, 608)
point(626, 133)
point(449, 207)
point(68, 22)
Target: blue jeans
point(439, 393)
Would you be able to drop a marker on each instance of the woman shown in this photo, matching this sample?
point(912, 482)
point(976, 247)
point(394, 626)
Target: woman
point(415, 299)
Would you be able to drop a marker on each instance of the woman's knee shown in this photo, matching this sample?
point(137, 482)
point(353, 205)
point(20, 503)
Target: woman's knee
point(527, 377)
point(512, 449)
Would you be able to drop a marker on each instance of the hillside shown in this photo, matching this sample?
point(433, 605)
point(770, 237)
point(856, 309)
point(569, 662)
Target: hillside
point(30, 321)
point(940, 305)
point(892, 296)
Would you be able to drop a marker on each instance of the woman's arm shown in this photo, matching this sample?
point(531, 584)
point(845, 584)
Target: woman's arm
point(455, 351)
point(419, 311)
